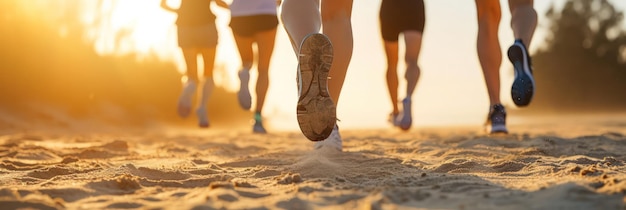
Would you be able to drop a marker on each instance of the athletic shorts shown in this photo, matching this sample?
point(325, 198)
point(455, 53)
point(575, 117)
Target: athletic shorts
point(247, 26)
point(203, 36)
point(397, 16)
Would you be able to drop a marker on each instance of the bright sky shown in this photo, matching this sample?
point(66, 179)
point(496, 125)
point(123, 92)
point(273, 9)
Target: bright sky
point(451, 89)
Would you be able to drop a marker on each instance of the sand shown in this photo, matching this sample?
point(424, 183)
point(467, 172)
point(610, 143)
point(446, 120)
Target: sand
point(575, 165)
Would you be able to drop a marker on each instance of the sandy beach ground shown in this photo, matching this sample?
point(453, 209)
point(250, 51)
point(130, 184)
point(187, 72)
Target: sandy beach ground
point(564, 164)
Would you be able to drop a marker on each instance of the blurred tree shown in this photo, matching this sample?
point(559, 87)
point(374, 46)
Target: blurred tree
point(49, 68)
point(582, 67)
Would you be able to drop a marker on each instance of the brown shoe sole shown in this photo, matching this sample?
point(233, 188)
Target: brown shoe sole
point(316, 110)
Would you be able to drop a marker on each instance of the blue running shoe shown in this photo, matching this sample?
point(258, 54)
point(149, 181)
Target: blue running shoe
point(524, 84)
point(316, 111)
point(405, 122)
point(497, 118)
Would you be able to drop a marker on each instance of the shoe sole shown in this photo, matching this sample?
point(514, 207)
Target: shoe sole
point(245, 99)
point(316, 110)
point(523, 87)
point(498, 129)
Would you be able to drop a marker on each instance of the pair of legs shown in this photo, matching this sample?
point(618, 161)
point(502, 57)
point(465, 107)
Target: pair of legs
point(413, 45)
point(265, 47)
point(405, 18)
point(523, 23)
point(320, 56)
point(191, 60)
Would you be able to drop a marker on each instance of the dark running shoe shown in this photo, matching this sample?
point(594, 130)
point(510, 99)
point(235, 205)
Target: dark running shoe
point(258, 128)
point(497, 118)
point(524, 85)
point(258, 124)
point(316, 110)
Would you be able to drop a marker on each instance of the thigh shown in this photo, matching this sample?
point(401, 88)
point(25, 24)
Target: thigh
point(244, 46)
point(265, 44)
point(413, 42)
point(391, 52)
point(200, 36)
point(208, 55)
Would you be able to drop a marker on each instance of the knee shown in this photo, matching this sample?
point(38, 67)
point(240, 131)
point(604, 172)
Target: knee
point(392, 69)
point(410, 62)
point(246, 65)
point(412, 72)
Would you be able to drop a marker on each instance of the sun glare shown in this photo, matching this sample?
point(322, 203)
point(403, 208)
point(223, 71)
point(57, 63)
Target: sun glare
point(132, 26)
point(451, 89)
point(145, 29)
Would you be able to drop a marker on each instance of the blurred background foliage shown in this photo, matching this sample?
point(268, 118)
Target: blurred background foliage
point(50, 71)
point(582, 66)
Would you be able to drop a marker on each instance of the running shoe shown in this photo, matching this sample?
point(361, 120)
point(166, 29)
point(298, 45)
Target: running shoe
point(497, 118)
point(245, 100)
point(201, 112)
point(258, 128)
point(406, 119)
point(184, 101)
point(393, 119)
point(258, 124)
point(203, 117)
point(316, 111)
point(524, 85)
point(333, 140)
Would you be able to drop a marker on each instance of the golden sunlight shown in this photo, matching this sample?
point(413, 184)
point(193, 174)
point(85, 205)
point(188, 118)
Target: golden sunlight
point(145, 29)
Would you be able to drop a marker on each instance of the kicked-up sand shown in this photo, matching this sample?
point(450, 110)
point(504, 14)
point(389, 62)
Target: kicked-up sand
point(567, 164)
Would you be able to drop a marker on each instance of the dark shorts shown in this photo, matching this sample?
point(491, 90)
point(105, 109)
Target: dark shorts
point(203, 36)
point(397, 16)
point(249, 25)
